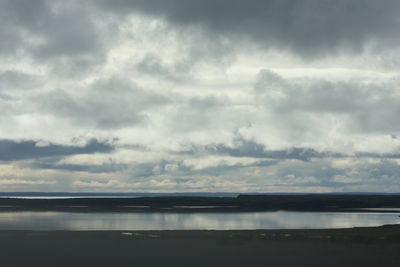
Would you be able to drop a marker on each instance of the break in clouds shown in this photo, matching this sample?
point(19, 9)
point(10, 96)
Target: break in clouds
point(181, 95)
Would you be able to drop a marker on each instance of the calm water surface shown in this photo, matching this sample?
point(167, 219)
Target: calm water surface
point(185, 221)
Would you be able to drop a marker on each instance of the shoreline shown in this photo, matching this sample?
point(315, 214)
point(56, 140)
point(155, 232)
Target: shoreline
point(363, 246)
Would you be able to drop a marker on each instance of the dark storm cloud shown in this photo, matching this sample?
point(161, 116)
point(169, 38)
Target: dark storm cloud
point(11, 150)
point(307, 27)
point(13, 14)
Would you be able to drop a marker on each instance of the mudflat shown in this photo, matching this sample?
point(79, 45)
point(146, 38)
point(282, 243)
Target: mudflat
point(370, 246)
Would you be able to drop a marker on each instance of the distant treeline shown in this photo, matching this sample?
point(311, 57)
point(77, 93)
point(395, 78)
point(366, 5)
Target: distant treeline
point(101, 194)
point(311, 202)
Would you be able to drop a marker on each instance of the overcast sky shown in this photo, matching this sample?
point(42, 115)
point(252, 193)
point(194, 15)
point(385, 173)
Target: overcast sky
point(200, 95)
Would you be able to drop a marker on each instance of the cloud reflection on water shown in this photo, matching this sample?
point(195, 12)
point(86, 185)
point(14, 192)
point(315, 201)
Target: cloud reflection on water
point(184, 221)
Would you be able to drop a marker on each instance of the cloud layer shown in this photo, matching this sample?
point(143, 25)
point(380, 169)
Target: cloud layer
point(13, 150)
point(177, 95)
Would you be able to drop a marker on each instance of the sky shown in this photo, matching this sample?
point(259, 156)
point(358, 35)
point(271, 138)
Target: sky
point(200, 96)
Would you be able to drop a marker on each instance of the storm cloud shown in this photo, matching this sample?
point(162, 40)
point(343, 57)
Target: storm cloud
point(308, 28)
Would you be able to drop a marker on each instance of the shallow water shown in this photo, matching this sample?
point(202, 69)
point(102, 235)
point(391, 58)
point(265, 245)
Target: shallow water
point(24, 220)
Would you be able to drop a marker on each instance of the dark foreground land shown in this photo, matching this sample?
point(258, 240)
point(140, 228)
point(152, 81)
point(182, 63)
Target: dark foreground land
point(378, 246)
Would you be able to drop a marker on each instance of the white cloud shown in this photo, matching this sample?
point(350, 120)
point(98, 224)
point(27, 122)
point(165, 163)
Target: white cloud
point(212, 100)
